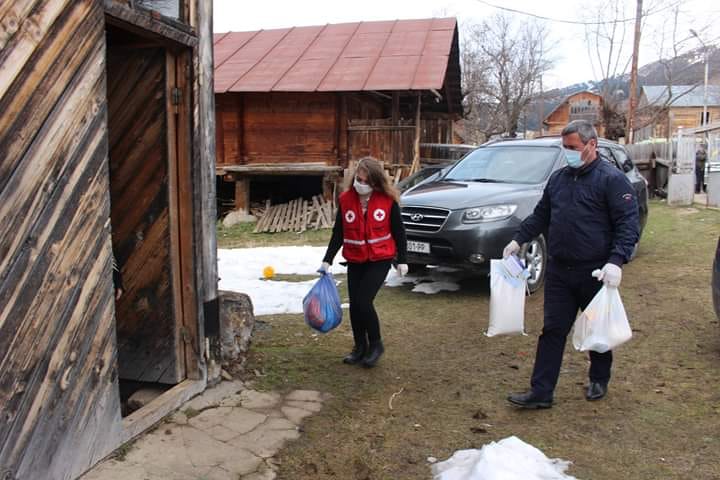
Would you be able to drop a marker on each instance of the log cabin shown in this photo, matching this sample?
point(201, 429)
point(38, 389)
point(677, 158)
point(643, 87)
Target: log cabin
point(107, 146)
point(583, 105)
point(295, 106)
point(663, 110)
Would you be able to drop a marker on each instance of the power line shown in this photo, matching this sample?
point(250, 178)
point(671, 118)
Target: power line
point(576, 22)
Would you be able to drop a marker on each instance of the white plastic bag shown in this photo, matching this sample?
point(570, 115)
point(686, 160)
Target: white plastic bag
point(507, 299)
point(603, 325)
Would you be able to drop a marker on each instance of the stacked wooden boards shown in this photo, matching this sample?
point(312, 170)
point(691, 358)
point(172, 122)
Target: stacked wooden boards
point(297, 215)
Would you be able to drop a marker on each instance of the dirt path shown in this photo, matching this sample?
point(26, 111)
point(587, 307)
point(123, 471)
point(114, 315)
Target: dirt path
point(661, 419)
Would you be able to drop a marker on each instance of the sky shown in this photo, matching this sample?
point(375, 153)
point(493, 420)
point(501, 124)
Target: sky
point(573, 63)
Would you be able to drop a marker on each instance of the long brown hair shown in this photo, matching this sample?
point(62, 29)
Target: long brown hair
point(376, 177)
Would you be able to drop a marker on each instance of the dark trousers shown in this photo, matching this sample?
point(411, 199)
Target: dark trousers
point(364, 282)
point(699, 178)
point(567, 290)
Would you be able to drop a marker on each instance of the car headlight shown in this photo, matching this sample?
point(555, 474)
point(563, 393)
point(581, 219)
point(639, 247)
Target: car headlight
point(488, 214)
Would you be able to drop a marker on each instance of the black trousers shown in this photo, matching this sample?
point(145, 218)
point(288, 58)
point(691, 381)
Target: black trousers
point(567, 290)
point(364, 282)
point(699, 179)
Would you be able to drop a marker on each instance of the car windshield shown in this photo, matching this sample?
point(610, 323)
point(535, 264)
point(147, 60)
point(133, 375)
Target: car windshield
point(505, 164)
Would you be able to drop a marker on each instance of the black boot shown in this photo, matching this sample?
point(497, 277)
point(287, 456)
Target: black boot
point(374, 353)
point(357, 354)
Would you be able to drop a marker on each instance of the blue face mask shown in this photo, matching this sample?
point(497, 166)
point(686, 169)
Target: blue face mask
point(574, 158)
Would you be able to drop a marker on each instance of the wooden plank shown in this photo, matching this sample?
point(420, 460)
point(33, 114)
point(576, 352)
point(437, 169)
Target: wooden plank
point(148, 416)
point(192, 330)
point(145, 24)
point(32, 30)
point(174, 217)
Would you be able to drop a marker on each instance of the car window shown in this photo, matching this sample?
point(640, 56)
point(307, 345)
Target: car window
point(506, 164)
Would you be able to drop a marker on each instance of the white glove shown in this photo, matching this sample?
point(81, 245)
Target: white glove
point(324, 268)
point(610, 275)
point(402, 269)
point(511, 248)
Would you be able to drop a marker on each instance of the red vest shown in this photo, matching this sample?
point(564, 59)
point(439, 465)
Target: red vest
point(366, 237)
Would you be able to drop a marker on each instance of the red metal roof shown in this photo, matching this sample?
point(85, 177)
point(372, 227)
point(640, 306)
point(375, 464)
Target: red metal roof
point(388, 55)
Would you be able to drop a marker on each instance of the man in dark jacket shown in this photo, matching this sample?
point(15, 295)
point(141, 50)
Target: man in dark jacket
point(589, 213)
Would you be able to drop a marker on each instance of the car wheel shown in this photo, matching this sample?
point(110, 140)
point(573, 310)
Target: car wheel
point(535, 255)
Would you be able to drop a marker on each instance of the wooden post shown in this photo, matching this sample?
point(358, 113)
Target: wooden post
point(242, 194)
point(394, 141)
point(633, 76)
point(416, 158)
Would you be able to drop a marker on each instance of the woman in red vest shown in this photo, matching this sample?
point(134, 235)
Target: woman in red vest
point(370, 231)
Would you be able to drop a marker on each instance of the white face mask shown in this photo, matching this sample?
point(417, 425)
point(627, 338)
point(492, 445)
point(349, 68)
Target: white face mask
point(362, 188)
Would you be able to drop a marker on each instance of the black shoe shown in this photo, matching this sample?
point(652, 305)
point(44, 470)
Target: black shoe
point(596, 391)
point(530, 400)
point(374, 353)
point(357, 354)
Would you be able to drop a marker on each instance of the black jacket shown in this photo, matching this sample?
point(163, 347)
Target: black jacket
point(589, 215)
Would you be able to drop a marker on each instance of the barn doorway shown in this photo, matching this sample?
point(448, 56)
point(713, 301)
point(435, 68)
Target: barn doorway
point(151, 210)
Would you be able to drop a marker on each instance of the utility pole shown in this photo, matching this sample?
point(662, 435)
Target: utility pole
point(633, 76)
point(705, 48)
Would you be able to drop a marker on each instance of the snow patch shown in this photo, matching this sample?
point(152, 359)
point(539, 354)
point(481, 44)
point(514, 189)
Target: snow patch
point(508, 459)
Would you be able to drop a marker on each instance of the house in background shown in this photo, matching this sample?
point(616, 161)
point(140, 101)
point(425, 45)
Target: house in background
point(307, 101)
point(583, 105)
point(663, 110)
point(107, 147)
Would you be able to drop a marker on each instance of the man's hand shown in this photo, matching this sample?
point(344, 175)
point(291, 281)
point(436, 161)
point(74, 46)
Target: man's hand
point(610, 275)
point(324, 268)
point(511, 248)
point(402, 269)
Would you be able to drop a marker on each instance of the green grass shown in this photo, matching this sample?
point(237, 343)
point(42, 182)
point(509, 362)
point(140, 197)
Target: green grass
point(241, 236)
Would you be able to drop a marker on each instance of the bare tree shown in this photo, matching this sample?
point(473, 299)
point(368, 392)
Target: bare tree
point(503, 62)
point(606, 35)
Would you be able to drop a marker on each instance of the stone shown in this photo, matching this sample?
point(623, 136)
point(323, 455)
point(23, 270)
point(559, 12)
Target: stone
point(242, 420)
point(237, 321)
point(237, 216)
point(142, 397)
point(309, 406)
point(265, 441)
point(213, 396)
point(262, 474)
point(179, 418)
point(305, 396)
point(254, 400)
point(295, 415)
point(210, 418)
point(218, 432)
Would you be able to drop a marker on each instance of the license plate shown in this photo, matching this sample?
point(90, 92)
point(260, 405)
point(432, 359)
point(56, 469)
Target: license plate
point(418, 247)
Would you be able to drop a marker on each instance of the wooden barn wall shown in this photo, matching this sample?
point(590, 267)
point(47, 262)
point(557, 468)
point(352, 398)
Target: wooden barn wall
point(140, 214)
point(59, 398)
point(276, 128)
point(394, 144)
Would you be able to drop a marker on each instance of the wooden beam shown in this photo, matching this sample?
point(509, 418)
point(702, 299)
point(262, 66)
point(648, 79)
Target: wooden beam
point(141, 420)
point(242, 194)
point(174, 215)
point(192, 333)
point(395, 117)
point(416, 157)
point(146, 25)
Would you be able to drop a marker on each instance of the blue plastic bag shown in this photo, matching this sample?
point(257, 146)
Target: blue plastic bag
point(321, 305)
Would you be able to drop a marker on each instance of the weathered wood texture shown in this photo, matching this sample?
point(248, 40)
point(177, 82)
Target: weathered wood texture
point(58, 384)
point(330, 128)
point(144, 22)
point(581, 105)
point(147, 347)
